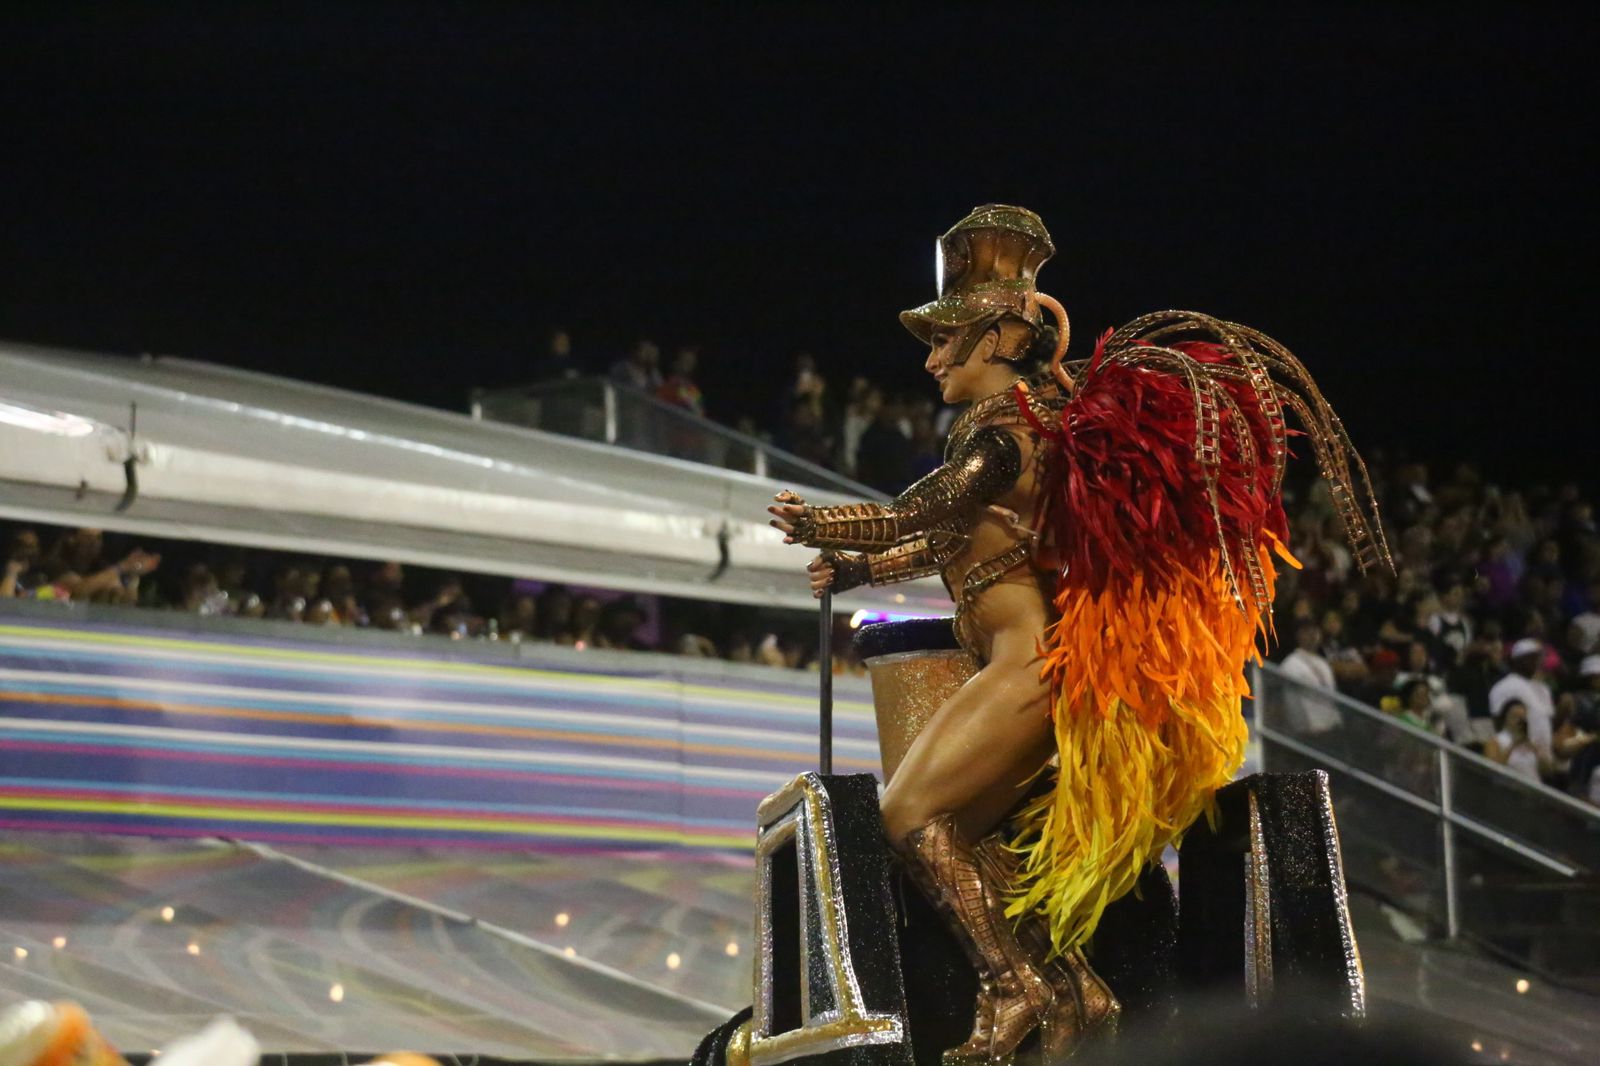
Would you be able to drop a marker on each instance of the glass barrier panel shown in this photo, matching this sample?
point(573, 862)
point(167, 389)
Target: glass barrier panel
point(1336, 727)
point(1392, 849)
point(1526, 812)
point(1548, 922)
point(571, 408)
point(631, 419)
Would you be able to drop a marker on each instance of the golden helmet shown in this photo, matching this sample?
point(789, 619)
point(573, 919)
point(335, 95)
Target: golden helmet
point(987, 265)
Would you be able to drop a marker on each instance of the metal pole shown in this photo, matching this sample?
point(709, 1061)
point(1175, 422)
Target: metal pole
point(760, 462)
point(825, 662)
point(608, 397)
point(1447, 831)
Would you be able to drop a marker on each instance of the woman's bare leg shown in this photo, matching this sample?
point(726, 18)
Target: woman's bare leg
point(978, 752)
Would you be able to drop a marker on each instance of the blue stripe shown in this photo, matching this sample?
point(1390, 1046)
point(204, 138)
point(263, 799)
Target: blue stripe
point(463, 759)
point(131, 664)
point(666, 729)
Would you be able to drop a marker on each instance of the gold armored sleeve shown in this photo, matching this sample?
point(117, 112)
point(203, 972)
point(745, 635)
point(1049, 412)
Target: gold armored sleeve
point(987, 465)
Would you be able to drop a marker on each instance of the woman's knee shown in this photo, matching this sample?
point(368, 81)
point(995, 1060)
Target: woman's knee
point(902, 813)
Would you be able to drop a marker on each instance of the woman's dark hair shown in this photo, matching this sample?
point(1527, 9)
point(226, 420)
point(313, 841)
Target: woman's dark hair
point(1408, 688)
point(1504, 713)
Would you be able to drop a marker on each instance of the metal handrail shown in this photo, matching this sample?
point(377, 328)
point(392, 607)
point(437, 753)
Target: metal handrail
point(1455, 751)
point(1450, 820)
point(1389, 788)
point(762, 452)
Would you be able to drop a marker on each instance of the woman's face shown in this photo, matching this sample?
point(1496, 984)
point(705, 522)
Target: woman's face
point(956, 383)
point(1406, 583)
point(1421, 698)
point(1426, 608)
point(1417, 661)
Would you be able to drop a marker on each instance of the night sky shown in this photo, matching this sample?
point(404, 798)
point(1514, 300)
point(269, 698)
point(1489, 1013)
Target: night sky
point(404, 199)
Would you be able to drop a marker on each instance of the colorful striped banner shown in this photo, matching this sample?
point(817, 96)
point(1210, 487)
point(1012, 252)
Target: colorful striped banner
point(121, 728)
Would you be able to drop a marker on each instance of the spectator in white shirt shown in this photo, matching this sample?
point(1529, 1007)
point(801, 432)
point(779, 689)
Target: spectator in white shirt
point(1511, 746)
point(1307, 711)
point(1588, 623)
point(1520, 684)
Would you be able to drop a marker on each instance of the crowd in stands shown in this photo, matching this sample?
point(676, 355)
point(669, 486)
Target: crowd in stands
point(86, 565)
point(1488, 633)
point(881, 438)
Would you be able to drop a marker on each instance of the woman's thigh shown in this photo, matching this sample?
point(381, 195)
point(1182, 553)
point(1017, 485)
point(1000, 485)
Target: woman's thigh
point(977, 753)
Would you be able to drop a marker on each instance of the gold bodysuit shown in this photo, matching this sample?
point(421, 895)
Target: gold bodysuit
point(946, 522)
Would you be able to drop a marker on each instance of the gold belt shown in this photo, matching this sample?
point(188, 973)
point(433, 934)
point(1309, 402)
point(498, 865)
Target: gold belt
point(983, 576)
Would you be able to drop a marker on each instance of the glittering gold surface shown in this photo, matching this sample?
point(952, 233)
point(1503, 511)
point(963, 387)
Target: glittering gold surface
point(979, 470)
point(988, 265)
point(850, 1023)
point(906, 689)
point(1257, 913)
point(738, 1050)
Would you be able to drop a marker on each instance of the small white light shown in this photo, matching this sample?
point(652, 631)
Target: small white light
point(1523, 986)
point(562, 919)
point(193, 948)
point(336, 992)
point(859, 617)
point(673, 961)
point(732, 949)
point(167, 914)
point(20, 952)
point(59, 942)
point(899, 597)
point(1477, 1045)
point(570, 952)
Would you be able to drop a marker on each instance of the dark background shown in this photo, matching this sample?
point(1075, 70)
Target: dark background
point(403, 198)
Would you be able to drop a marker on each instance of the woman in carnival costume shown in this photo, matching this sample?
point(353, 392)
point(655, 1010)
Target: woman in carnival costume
point(1107, 530)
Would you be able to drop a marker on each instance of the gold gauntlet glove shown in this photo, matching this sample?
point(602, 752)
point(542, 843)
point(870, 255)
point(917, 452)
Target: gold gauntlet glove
point(849, 572)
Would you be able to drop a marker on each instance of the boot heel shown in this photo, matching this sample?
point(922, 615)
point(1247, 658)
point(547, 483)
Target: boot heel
point(1049, 1037)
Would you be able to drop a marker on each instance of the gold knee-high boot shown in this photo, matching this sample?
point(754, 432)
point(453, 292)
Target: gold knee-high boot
point(1014, 996)
point(1084, 1004)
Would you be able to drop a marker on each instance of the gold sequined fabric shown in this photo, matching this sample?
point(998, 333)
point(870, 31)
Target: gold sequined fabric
point(941, 524)
point(980, 469)
point(907, 688)
point(988, 265)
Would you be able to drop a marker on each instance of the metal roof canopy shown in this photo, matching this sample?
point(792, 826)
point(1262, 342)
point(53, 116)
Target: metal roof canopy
point(236, 457)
